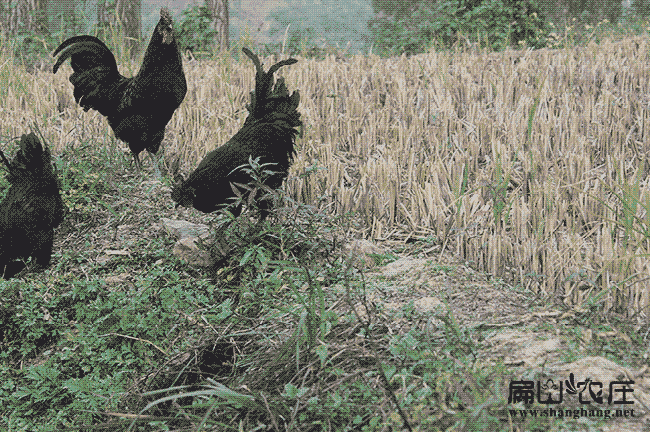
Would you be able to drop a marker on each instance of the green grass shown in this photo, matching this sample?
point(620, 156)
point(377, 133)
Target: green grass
point(274, 335)
point(76, 342)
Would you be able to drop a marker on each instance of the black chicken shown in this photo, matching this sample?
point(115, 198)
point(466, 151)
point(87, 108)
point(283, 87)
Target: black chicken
point(31, 209)
point(268, 133)
point(137, 108)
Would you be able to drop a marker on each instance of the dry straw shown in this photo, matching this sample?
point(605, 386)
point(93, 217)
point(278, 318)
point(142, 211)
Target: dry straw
point(531, 164)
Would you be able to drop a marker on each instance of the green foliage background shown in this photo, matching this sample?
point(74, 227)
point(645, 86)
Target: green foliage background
point(492, 23)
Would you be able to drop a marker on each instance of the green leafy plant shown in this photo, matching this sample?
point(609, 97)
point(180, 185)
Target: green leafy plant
point(419, 31)
point(195, 30)
point(492, 23)
point(502, 23)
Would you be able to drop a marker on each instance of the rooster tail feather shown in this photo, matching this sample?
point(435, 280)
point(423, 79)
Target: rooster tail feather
point(271, 100)
point(85, 52)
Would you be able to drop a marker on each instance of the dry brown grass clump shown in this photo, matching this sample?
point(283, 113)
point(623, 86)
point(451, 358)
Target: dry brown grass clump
point(531, 164)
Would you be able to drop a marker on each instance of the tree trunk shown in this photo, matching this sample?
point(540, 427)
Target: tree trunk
point(25, 16)
point(221, 17)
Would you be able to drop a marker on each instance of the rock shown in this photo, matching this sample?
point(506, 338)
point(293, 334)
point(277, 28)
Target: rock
point(188, 250)
point(429, 304)
point(182, 229)
point(363, 251)
point(403, 265)
point(189, 236)
point(117, 279)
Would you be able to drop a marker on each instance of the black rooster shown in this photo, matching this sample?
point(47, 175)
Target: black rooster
point(268, 133)
point(31, 209)
point(137, 108)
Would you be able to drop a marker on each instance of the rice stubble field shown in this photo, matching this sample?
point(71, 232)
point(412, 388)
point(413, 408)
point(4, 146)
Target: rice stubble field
point(529, 165)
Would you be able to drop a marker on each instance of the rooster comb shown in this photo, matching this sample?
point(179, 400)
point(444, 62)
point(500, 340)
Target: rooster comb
point(165, 14)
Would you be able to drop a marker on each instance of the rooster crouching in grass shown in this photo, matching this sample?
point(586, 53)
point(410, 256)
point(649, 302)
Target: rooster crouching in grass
point(268, 134)
point(31, 209)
